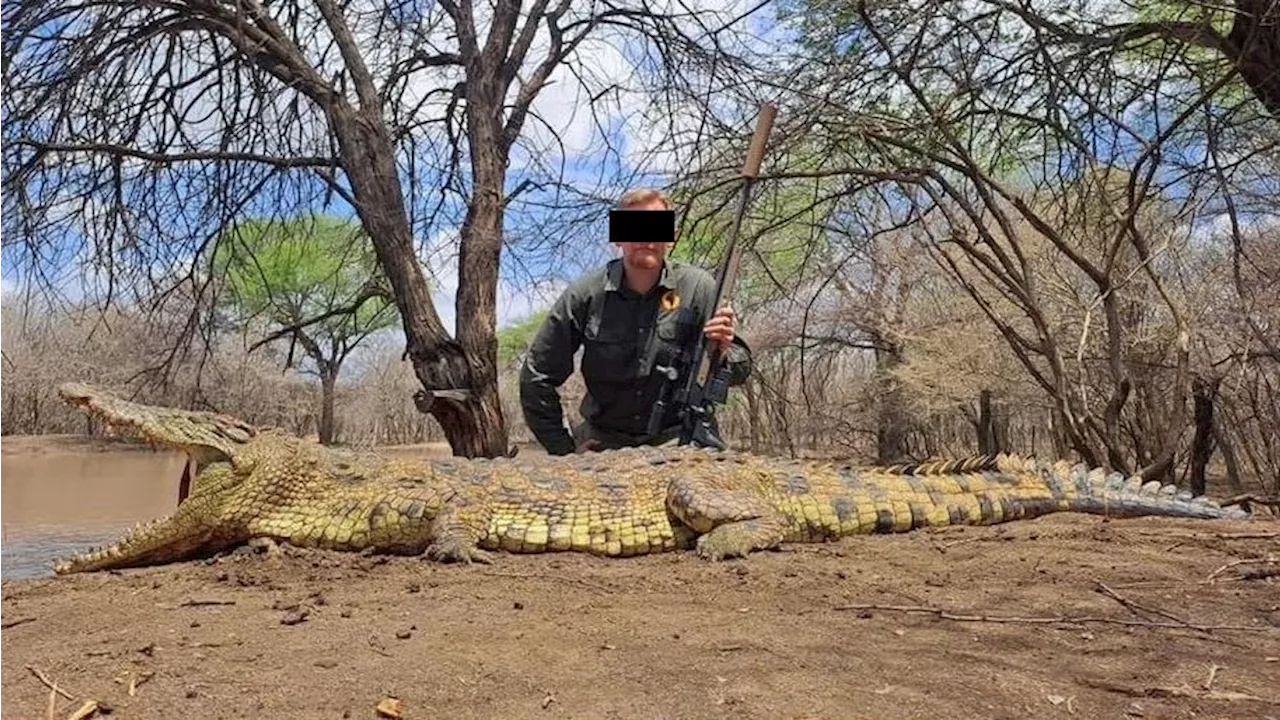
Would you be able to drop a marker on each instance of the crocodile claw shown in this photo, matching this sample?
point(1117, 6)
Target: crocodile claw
point(453, 550)
point(739, 539)
point(715, 548)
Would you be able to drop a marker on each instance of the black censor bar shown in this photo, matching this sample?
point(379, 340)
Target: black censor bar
point(642, 226)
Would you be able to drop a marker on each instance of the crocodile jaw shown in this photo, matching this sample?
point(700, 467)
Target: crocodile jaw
point(146, 544)
point(204, 436)
point(199, 527)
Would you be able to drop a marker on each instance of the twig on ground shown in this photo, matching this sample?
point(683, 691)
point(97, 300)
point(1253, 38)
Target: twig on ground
point(86, 710)
point(1148, 584)
point(136, 681)
point(1251, 500)
point(1213, 536)
point(1213, 674)
point(1173, 692)
point(207, 602)
point(1236, 563)
point(15, 623)
point(1136, 607)
point(50, 684)
point(948, 545)
point(1055, 620)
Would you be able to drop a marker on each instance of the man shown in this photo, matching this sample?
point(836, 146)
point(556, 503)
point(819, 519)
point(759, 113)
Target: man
point(637, 312)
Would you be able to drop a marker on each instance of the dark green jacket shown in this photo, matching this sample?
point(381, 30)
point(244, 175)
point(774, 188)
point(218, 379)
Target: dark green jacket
point(623, 336)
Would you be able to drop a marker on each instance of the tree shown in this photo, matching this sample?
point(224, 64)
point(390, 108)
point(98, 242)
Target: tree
point(1230, 51)
point(313, 280)
point(138, 130)
point(514, 340)
point(821, 279)
point(1058, 188)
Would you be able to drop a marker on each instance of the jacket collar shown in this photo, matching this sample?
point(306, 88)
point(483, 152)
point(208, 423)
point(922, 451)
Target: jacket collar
point(613, 276)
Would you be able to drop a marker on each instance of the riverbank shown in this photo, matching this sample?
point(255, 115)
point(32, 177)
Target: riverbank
point(1065, 616)
point(955, 622)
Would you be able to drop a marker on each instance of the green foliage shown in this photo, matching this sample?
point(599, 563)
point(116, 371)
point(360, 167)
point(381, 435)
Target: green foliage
point(1219, 17)
point(781, 235)
point(289, 272)
point(514, 340)
point(1206, 64)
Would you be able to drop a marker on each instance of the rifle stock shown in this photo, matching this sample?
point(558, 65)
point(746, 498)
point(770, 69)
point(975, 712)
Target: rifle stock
point(696, 398)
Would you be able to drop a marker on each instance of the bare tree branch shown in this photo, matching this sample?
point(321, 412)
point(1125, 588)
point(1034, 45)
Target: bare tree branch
point(209, 156)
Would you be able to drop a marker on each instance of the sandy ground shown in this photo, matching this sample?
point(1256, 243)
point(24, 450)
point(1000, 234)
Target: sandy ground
point(1062, 617)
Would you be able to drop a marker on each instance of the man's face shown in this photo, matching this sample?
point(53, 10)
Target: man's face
point(645, 256)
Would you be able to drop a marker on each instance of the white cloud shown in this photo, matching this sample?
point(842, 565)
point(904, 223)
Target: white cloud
point(601, 63)
point(563, 113)
point(605, 87)
point(600, 89)
point(518, 302)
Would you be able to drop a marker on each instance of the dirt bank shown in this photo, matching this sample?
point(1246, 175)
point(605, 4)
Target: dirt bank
point(781, 635)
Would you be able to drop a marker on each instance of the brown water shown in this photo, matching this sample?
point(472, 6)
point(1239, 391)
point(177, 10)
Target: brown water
point(59, 496)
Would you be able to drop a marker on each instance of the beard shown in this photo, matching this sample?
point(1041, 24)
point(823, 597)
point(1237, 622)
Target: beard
point(646, 260)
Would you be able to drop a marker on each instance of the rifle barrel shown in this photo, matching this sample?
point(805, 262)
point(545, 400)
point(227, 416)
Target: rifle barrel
point(728, 274)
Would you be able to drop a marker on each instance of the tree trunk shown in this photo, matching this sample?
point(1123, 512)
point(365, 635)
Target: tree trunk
point(891, 430)
point(328, 380)
point(782, 421)
point(478, 261)
point(1254, 46)
point(988, 442)
point(1060, 438)
point(753, 414)
point(458, 389)
point(1202, 393)
point(1223, 441)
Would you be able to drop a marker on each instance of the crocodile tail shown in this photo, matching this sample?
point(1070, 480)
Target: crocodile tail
point(957, 466)
point(1078, 488)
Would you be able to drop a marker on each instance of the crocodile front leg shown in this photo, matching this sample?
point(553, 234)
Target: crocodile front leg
point(456, 533)
point(731, 522)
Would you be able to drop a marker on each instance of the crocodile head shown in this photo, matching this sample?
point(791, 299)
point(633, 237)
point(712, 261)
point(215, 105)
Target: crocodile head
point(223, 451)
point(205, 437)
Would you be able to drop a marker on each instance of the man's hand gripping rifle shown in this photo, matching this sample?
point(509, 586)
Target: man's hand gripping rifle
point(695, 401)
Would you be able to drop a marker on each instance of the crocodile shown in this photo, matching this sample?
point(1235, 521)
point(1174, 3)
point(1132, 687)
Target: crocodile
point(264, 485)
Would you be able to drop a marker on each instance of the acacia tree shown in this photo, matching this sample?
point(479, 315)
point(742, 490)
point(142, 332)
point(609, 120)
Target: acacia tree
point(1229, 51)
point(797, 292)
point(312, 280)
point(1051, 181)
point(138, 130)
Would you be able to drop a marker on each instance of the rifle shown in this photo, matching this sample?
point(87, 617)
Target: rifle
point(695, 401)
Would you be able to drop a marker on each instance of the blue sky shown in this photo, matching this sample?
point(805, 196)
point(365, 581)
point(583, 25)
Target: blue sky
point(63, 246)
point(541, 248)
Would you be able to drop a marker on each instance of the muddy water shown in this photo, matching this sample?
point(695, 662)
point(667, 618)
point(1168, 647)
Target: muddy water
point(57, 499)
